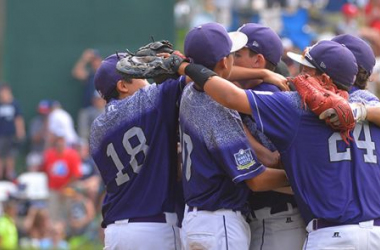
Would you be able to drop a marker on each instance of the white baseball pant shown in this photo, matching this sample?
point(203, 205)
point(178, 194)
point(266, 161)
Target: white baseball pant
point(281, 231)
point(126, 235)
point(214, 230)
point(364, 235)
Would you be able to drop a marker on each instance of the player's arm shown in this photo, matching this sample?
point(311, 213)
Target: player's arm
point(268, 180)
point(360, 111)
point(224, 92)
point(242, 73)
point(265, 156)
point(373, 114)
point(285, 190)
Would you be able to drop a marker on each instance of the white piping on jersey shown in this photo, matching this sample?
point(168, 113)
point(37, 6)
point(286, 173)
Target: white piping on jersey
point(261, 166)
point(257, 108)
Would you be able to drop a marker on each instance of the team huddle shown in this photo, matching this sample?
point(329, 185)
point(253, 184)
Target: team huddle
point(221, 152)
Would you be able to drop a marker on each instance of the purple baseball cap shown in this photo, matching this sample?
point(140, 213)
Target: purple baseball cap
point(332, 58)
point(106, 75)
point(263, 40)
point(207, 44)
point(363, 53)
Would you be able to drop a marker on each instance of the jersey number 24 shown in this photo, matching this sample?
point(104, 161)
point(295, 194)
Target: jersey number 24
point(364, 142)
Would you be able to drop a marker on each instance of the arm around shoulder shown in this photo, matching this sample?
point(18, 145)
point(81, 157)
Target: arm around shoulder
point(268, 180)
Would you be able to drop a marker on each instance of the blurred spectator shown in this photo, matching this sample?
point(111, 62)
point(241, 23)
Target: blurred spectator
point(12, 132)
point(87, 115)
point(292, 66)
point(57, 237)
point(182, 14)
point(205, 14)
point(60, 121)
point(372, 13)
point(81, 211)
point(349, 24)
point(90, 182)
point(62, 166)
point(223, 12)
point(84, 71)
point(38, 136)
point(36, 226)
point(8, 229)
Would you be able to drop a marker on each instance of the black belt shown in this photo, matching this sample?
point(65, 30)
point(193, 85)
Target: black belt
point(282, 207)
point(159, 218)
point(322, 223)
point(278, 208)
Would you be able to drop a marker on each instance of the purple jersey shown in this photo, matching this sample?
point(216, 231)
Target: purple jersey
point(331, 180)
point(258, 200)
point(134, 145)
point(216, 154)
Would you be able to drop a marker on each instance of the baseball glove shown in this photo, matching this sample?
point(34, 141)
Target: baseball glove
point(144, 67)
point(320, 95)
point(154, 48)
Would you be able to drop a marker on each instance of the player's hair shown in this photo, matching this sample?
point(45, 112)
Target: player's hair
point(268, 65)
point(362, 78)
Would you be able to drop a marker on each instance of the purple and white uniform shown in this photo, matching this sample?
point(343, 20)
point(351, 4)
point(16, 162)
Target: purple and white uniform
point(134, 145)
point(335, 183)
point(216, 158)
point(276, 218)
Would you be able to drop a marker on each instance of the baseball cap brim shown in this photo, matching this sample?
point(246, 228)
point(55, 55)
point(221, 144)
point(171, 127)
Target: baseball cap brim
point(239, 40)
point(300, 59)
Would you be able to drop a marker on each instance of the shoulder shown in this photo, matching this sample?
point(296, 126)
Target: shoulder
point(364, 96)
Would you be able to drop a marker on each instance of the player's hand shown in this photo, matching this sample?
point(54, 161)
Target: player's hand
point(88, 55)
point(278, 80)
point(359, 111)
point(330, 114)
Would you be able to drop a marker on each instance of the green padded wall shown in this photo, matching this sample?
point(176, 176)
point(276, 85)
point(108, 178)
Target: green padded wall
point(44, 38)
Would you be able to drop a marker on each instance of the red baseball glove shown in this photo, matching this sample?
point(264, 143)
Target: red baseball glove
point(320, 94)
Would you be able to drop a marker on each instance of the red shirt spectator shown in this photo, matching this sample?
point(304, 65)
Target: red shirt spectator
point(61, 164)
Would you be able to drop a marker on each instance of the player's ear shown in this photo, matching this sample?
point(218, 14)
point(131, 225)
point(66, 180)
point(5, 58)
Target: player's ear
point(260, 60)
point(325, 78)
point(122, 87)
point(223, 63)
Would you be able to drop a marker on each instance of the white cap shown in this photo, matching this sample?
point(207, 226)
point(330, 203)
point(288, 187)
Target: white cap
point(239, 40)
point(300, 59)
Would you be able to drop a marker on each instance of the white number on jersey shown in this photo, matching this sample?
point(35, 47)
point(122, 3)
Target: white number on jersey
point(141, 147)
point(361, 128)
point(187, 148)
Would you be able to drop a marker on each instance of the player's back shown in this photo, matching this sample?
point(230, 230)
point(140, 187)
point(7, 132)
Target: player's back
point(134, 146)
point(212, 137)
point(331, 179)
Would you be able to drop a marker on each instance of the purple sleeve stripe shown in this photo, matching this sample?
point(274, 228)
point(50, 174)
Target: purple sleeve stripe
point(249, 175)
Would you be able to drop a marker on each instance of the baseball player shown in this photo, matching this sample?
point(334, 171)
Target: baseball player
point(216, 156)
point(335, 184)
point(364, 104)
point(134, 146)
point(366, 60)
point(275, 215)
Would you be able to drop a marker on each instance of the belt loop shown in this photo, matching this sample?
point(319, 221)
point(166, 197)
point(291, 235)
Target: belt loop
point(126, 221)
point(366, 224)
point(290, 207)
point(195, 210)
